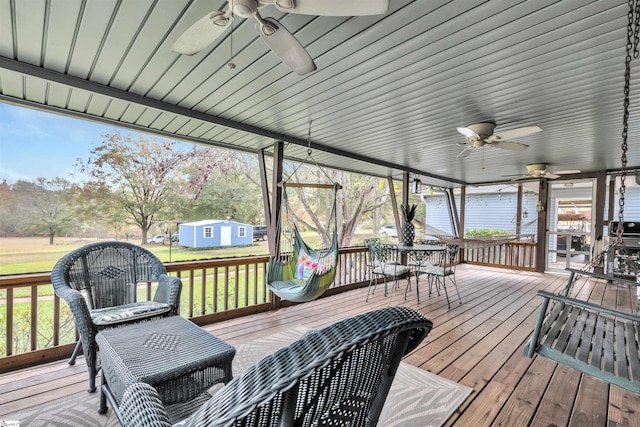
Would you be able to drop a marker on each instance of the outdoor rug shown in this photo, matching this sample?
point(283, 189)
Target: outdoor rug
point(417, 397)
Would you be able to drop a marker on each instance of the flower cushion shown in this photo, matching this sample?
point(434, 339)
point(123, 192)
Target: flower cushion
point(307, 264)
point(126, 312)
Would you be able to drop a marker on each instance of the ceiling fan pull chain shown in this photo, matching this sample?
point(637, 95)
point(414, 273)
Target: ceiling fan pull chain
point(309, 139)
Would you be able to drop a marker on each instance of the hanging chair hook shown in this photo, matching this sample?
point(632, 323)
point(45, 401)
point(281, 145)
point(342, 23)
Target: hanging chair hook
point(309, 139)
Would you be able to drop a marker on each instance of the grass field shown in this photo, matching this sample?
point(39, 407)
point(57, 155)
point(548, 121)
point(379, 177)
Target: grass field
point(21, 255)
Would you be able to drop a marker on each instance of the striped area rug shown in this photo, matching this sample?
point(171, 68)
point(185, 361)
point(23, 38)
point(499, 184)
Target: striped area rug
point(417, 397)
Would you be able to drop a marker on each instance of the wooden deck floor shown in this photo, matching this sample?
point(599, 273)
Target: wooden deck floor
point(478, 344)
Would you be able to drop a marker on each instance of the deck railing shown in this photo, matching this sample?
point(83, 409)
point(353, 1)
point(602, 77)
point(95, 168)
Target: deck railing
point(35, 326)
point(515, 255)
point(34, 320)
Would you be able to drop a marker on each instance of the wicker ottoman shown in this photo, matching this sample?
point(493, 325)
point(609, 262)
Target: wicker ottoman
point(174, 355)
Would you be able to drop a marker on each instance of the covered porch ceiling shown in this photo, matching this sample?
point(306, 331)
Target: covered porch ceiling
point(386, 98)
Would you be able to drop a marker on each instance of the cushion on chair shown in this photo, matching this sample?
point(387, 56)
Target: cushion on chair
point(392, 270)
point(124, 313)
point(436, 270)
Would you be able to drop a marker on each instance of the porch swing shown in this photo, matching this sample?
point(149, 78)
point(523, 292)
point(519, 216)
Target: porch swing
point(298, 272)
point(596, 340)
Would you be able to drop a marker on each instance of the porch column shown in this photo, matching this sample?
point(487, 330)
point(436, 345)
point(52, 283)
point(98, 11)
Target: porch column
point(543, 198)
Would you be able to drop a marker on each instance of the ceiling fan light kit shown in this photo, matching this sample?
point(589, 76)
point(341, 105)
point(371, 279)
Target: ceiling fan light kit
point(481, 134)
point(207, 29)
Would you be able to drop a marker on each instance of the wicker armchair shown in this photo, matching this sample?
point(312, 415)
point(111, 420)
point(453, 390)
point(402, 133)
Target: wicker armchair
point(338, 376)
point(98, 282)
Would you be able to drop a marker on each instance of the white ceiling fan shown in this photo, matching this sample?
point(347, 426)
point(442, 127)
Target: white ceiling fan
point(206, 30)
point(539, 170)
point(481, 134)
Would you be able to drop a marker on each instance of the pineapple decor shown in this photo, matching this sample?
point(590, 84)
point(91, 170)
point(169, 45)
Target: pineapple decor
point(408, 229)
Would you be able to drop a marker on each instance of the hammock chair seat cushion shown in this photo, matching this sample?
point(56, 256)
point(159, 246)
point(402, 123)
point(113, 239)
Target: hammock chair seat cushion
point(308, 264)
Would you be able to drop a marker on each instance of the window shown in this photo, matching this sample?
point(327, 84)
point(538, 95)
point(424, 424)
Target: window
point(242, 231)
point(208, 232)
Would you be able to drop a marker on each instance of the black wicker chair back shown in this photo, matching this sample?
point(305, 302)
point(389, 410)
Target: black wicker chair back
point(338, 376)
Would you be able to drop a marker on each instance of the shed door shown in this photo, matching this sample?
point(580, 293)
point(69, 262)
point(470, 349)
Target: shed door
point(225, 236)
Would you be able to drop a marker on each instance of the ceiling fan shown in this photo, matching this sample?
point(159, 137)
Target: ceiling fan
point(206, 30)
point(481, 134)
point(539, 170)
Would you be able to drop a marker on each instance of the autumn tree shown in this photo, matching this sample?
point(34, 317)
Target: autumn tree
point(148, 178)
point(231, 192)
point(138, 173)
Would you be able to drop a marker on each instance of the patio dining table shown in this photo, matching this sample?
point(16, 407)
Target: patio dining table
point(419, 256)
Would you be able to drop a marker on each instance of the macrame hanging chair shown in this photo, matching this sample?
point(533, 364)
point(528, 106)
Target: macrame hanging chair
point(298, 272)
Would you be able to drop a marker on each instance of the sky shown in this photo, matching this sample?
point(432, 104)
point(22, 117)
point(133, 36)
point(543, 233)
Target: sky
point(36, 144)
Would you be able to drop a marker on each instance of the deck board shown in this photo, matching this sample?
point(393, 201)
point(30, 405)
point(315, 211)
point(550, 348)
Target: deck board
point(478, 343)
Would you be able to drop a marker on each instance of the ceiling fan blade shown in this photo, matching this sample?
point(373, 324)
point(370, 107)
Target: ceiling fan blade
point(201, 34)
point(507, 145)
point(514, 133)
point(550, 175)
point(468, 133)
point(464, 153)
point(567, 172)
point(285, 46)
point(332, 7)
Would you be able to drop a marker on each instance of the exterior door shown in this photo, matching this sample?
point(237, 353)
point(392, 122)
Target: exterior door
point(570, 232)
point(225, 236)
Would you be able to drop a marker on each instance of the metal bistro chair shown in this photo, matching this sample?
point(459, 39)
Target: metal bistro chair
point(99, 283)
point(384, 259)
point(369, 244)
point(446, 268)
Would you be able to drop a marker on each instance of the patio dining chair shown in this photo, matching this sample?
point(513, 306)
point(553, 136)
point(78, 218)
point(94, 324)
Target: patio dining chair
point(446, 268)
point(418, 261)
point(99, 283)
point(384, 264)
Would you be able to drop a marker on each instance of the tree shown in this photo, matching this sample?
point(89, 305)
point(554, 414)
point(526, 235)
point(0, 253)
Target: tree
point(46, 206)
point(231, 191)
point(7, 210)
point(359, 196)
point(140, 173)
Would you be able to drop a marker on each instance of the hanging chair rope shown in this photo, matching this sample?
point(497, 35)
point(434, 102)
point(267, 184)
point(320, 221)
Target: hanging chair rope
point(309, 159)
point(299, 272)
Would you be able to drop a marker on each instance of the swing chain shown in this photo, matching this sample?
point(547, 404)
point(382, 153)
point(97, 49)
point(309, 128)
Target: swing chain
point(633, 40)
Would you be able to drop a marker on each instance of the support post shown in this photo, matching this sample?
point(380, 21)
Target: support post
point(276, 202)
point(543, 198)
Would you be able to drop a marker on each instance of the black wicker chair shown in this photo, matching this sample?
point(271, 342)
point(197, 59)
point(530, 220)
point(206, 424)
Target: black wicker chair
point(99, 283)
point(338, 376)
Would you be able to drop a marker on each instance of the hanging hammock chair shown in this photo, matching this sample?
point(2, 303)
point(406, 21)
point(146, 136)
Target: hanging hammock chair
point(298, 272)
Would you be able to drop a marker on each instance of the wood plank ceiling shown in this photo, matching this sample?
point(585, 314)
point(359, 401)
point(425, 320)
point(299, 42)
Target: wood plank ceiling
point(387, 97)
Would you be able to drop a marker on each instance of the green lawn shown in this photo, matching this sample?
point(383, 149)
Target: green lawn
point(35, 255)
